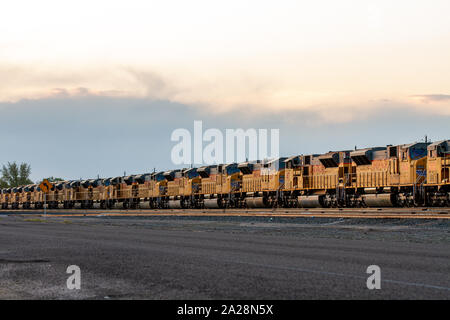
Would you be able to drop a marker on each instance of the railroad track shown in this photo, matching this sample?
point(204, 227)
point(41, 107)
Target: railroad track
point(404, 213)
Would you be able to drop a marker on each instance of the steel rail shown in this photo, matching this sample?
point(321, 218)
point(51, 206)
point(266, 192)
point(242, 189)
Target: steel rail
point(397, 213)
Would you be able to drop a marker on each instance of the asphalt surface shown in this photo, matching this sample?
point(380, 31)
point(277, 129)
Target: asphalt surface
point(223, 258)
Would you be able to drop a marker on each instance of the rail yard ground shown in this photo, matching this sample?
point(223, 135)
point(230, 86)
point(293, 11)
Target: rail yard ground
point(222, 257)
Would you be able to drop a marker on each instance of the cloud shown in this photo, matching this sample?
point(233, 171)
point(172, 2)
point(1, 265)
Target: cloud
point(235, 90)
point(426, 98)
point(431, 103)
point(36, 81)
point(155, 85)
point(81, 92)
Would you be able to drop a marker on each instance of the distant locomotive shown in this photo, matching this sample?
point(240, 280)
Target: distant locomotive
point(415, 174)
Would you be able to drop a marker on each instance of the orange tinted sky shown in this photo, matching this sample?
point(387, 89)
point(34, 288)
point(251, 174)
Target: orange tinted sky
point(337, 58)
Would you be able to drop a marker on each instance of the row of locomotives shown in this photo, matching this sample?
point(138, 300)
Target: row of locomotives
point(4, 197)
point(262, 183)
point(61, 195)
point(437, 187)
point(219, 186)
point(128, 192)
point(391, 176)
point(32, 197)
point(158, 190)
point(372, 177)
point(85, 194)
point(183, 186)
point(415, 174)
point(142, 191)
point(175, 181)
point(212, 186)
point(317, 180)
point(13, 198)
point(23, 197)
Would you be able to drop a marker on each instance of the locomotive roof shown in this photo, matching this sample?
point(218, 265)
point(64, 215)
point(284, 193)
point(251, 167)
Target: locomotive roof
point(203, 168)
point(174, 170)
point(143, 175)
point(409, 145)
point(279, 159)
point(358, 152)
point(234, 164)
point(190, 170)
point(438, 143)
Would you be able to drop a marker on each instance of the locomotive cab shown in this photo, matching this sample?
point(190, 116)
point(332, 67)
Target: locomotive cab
point(438, 173)
point(438, 163)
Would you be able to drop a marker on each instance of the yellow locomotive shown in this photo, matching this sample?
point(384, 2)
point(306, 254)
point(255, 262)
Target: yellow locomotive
point(416, 174)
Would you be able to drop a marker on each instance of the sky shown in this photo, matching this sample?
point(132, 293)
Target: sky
point(93, 88)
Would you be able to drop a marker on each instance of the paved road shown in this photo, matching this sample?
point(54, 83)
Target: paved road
point(175, 258)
